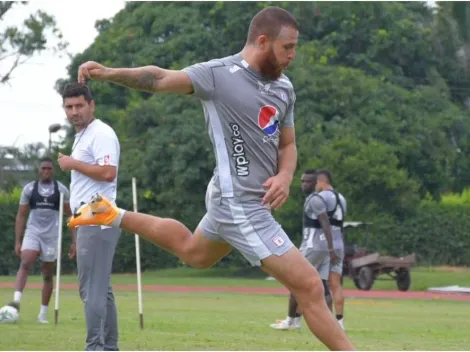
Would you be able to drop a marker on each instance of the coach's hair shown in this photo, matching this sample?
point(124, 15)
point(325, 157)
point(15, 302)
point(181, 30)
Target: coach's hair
point(269, 22)
point(310, 172)
point(327, 174)
point(45, 159)
point(73, 90)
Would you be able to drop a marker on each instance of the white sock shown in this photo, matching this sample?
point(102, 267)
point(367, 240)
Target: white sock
point(289, 320)
point(117, 222)
point(43, 310)
point(17, 296)
point(297, 320)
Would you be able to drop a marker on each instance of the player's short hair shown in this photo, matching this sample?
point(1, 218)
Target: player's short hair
point(73, 90)
point(45, 160)
point(327, 174)
point(310, 172)
point(269, 22)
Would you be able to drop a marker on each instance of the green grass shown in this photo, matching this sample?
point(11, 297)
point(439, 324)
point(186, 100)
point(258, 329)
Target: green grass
point(422, 278)
point(222, 321)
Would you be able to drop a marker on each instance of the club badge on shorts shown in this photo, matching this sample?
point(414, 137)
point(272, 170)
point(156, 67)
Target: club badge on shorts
point(278, 241)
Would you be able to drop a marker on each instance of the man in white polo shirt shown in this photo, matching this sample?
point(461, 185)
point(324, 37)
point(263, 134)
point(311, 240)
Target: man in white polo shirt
point(94, 165)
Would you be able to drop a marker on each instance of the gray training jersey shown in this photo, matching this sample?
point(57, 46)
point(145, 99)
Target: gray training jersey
point(244, 114)
point(43, 222)
point(316, 204)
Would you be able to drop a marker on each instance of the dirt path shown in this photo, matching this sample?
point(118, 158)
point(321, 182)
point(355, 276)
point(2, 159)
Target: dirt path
point(268, 290)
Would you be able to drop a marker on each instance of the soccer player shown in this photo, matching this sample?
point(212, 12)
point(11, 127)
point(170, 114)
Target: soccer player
point(249, 109)
point(38, 212)
point(322, 244)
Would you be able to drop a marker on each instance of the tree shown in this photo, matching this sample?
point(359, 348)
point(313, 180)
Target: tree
point(19, 165)
point(19, 43)
point(374, 104)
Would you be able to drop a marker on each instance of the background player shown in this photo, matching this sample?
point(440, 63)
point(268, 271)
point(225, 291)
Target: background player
point(40, 199)
point(316, 246)
point(336, 205)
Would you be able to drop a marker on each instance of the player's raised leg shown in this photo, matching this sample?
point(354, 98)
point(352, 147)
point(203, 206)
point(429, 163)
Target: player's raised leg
point(196, 250)
point(296, 273)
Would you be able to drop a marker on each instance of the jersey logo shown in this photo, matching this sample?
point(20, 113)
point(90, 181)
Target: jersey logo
point(268, 119)
point(265, 88)
point(234, 68)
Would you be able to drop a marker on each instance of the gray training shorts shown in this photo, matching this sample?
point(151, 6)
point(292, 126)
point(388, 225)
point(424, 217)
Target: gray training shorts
point(319, 259)
point(247, 226)
point(338, 268)
point(46, 246)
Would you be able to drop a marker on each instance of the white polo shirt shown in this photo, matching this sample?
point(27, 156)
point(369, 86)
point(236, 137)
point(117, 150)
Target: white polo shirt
point(96, 145)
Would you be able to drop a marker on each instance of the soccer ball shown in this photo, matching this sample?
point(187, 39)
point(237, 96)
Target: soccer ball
point(8, 315)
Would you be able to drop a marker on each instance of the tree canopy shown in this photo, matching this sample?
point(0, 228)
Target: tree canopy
point(378, 101)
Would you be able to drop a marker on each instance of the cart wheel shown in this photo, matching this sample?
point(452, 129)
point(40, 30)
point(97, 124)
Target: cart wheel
point(403, 279)
point(365, 278)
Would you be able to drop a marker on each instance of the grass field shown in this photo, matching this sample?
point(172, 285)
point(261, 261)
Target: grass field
point(422, 278)
point(223, 321)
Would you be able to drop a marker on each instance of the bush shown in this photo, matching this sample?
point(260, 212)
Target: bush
point(438, 234)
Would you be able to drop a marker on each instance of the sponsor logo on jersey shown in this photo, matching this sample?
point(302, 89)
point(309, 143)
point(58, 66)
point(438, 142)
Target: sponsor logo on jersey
point(238, 151)
point(268, 121)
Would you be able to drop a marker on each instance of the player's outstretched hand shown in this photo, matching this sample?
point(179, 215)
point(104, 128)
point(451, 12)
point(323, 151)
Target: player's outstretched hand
point(278, 190)
point(90, 70)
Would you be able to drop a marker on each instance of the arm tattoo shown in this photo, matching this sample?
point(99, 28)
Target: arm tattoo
point(143, 79)
point(147, 81)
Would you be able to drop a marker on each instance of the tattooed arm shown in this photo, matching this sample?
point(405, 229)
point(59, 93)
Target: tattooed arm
point(148, 78)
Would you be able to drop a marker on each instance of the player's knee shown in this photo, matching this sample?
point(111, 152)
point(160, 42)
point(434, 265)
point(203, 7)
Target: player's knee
point(199, 262)
point(26, 265)
point(311, 289)
point(334, 283)
point(47, 278)
point(195, 258)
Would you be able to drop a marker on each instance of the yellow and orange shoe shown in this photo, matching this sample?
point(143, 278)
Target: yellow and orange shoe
point(100, 211)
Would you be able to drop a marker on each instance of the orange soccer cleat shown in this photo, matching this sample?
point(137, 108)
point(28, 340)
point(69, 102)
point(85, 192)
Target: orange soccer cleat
point(99, 211)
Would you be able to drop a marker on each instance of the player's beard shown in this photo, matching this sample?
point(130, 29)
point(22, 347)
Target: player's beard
point(271, 68)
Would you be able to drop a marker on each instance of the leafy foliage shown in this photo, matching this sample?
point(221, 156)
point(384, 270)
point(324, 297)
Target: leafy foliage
point(381, 102)
point(19, 42)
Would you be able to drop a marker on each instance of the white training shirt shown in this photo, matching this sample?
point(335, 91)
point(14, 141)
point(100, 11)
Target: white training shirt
point(96, 145)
